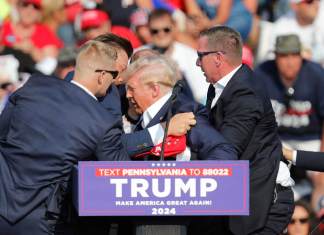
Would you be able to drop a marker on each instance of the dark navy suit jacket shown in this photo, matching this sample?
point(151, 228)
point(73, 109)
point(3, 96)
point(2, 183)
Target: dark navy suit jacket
point(115, 102)
point(48, 126)
point(204, 141)
point(310, 160)
point(244, 116)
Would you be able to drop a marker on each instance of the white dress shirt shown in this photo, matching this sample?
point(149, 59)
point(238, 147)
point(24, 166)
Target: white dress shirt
point(221, 84)
point(283, 176)
point(157, 131)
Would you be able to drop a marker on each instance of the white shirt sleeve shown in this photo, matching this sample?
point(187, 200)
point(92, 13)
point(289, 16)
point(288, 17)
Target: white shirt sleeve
point(294, 157)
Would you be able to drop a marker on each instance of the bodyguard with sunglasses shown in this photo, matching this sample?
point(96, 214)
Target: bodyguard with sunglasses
point(241, 110)
point(48, 126)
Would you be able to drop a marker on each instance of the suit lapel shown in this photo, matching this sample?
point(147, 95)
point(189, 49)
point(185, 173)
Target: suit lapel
point(161, 115)
point(217, 114)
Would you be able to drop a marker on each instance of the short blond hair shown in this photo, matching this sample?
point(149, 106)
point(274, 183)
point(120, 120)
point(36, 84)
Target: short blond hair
point(95, 55)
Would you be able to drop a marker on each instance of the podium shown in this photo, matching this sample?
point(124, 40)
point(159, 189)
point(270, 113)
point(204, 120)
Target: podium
point(151, 193)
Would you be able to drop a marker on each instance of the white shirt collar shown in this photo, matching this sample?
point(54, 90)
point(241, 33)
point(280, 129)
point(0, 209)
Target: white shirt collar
point(151, 111)
point(84, 88)
point(221, 84)
point(224, 80)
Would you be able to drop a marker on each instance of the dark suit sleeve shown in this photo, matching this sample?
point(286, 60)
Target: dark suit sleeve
point(242, 115)
point(208, 142)
point(310, 160)
point(137, 142)
point(5, 118)
point(111, 148)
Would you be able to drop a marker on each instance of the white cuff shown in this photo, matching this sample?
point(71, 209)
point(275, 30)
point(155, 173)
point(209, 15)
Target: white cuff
point(294, 157)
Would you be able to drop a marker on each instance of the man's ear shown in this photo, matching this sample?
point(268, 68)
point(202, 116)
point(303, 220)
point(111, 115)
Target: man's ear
point(217, 60)
point(156, 90)
point(100, 78)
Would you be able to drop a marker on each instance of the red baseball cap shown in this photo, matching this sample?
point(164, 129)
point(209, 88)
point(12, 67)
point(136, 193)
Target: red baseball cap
point(93, 18)
point(35, 2)
point(73, 8)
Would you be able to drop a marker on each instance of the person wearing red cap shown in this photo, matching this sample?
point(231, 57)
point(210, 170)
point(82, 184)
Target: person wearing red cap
point(96, 22)
point(29, 35)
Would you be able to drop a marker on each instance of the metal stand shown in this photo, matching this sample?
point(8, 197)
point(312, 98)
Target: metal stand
point(161, 230)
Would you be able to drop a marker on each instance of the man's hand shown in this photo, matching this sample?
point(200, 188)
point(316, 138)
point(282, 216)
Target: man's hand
point(288, 153)
point(181, 123)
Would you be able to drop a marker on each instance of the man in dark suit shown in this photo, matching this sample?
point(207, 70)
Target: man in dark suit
point(242, 112)
point(308, 160)
point(149, 82)
point(48, 126)
point(116, 103)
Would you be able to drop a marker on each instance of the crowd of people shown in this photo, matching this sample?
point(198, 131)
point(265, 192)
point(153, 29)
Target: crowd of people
point(259, 73)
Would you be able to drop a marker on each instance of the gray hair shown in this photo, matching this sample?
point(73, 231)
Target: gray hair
point(155, 69)
point(225, 39)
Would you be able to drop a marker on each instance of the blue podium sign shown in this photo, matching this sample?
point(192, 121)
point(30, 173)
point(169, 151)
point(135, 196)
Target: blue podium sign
point(155, 188)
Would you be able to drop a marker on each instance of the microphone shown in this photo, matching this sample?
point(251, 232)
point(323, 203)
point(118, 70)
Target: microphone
point(176, 90)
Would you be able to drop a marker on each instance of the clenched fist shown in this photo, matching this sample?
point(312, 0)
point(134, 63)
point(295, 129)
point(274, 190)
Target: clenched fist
point(181, 123)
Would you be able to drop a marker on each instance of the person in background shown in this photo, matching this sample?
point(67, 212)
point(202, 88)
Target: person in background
point(31, 36)
point(139, 25)
point(120, 11)
point(55, 17)
point(305, 19)
point(65, 61)
point(232, 13)
point(163, 31)
point(303, 220)
point(93, 23)
point(295, 86)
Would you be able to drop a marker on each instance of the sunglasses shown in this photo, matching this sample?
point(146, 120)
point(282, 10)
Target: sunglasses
point(27, 4)
point(307, 1)
point(114, 74)
point(202, 54)
point(156, 31)
point(300, 220)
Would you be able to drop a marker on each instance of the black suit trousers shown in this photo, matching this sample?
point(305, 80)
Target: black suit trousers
point(279, 216)
point(35, 223)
